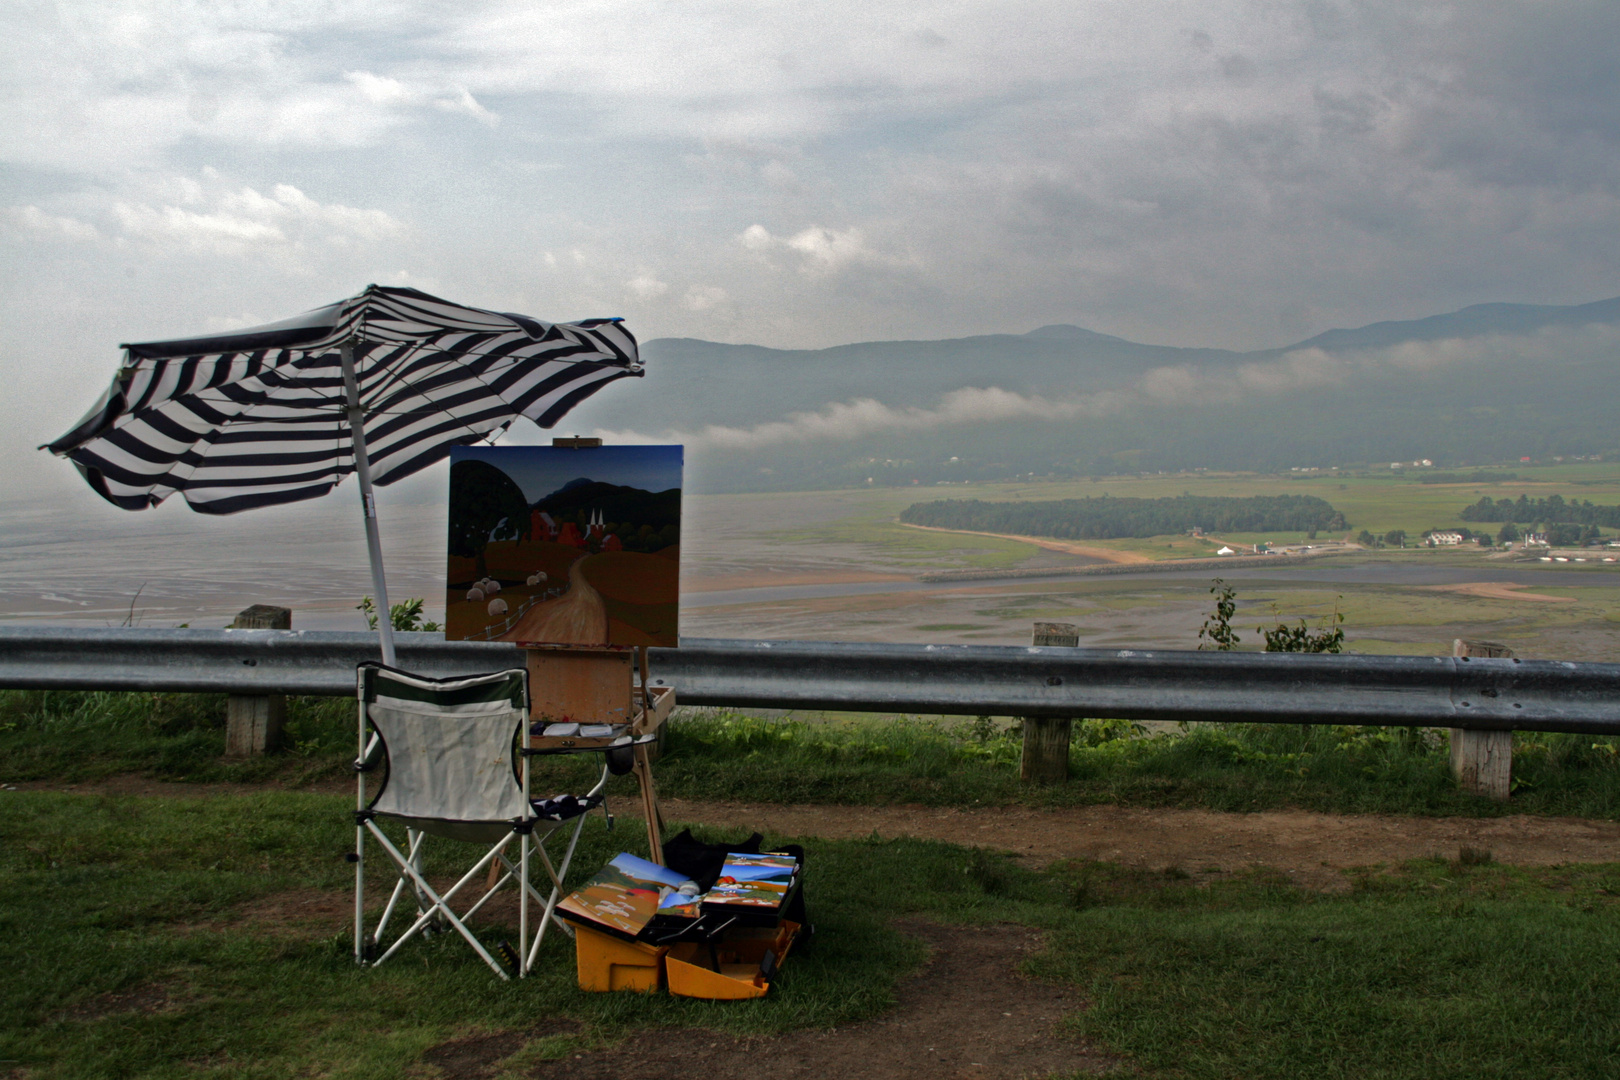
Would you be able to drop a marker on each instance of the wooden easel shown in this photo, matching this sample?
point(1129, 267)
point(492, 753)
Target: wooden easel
point(597, 685)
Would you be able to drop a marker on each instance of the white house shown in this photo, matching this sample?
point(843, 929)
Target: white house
point(1446, 538)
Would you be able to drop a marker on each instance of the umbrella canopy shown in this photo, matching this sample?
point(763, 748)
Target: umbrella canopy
point(259, 417)
point(381, 385)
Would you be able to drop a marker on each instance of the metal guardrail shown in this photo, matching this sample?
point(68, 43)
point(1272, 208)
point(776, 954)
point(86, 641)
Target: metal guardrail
point(1287, 688)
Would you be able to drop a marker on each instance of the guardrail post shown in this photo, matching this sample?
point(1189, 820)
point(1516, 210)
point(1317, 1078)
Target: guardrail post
point(1482, 761)
point(1046, 739)
point(253, 721)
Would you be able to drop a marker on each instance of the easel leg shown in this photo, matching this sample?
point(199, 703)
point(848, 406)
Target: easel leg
point(649, 804)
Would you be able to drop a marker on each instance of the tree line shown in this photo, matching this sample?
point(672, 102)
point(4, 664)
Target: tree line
point(1551, 510)
point(1110, 518)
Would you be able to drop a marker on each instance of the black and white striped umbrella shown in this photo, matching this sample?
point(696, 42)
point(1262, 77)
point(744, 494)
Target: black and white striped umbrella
point(382, 384)
point(258, 417)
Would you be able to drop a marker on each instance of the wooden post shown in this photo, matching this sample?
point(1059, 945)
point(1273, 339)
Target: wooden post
point(253, 721)
point(1046, 739)
point(1482, 761)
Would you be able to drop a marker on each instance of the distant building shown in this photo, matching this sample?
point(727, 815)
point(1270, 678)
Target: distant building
point(1226, 551)
point(1536, 538)
point(1445, 539)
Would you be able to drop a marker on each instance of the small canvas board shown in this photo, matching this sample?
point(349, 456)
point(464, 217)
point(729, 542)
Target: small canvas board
point(622, 896)
point(753, 881)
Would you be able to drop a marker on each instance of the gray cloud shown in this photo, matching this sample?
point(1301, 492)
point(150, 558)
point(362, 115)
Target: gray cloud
point(1237, 174)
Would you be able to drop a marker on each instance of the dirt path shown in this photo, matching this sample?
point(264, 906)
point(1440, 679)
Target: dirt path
point(967, 1013)
point(578, 617)
point(1315, 848)
point(1105, 554)
point(1312, 847)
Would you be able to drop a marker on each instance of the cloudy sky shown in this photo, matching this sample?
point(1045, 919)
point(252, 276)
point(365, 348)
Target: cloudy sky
point(1204, 173)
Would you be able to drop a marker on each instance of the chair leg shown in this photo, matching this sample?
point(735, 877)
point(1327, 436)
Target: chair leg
point(557, 876)
point(359, 894)
point(399, 887)
point(440, 905)
point(523, 905)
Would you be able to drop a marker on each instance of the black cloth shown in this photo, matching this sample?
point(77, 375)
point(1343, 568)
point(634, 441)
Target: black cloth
point(563, 807)
point(686, 854)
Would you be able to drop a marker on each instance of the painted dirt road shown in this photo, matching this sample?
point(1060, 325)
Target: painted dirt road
point(578, 617)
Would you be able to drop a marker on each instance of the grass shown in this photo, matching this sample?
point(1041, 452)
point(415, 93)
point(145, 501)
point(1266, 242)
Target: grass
point(1222, 767)
point(86, 735)
point(717, 755)
point(1438, 969)
point(130, 952)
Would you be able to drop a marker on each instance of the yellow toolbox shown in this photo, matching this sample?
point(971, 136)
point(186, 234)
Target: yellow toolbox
point(739, 966)
point(610, 963)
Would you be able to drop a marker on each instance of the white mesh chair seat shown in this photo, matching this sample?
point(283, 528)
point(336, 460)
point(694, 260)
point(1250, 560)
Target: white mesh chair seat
point(452, 749)
point(452, 753)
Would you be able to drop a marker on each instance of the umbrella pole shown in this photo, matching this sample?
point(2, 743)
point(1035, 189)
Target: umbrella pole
point(368, 501)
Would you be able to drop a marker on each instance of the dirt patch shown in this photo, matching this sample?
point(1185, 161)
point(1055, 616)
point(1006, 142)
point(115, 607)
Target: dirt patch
point(475, 1057)
point(148, 999)
point(968, 1013)
point(1313, 849)
point(1103, 554)
point(303, 914)
point(1498, 590)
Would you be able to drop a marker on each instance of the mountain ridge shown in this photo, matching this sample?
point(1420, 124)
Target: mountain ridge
point(1065, 400)
point(1493, 317)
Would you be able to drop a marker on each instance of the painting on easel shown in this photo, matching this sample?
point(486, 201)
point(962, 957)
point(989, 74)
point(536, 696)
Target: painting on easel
point(563, 546)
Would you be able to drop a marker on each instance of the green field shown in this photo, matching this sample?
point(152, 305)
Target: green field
point(1371, 501)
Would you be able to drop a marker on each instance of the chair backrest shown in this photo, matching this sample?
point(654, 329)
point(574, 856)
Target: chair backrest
point(450, 743)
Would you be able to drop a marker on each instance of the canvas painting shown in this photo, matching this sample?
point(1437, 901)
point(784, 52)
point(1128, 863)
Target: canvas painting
point(753, 880)
point(622, 896)
point(561, 546)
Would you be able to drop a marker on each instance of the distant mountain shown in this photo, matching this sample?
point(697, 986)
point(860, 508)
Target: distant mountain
point(626, 507)
point(580, 481)
point(1510, 381)
point(1476, 321)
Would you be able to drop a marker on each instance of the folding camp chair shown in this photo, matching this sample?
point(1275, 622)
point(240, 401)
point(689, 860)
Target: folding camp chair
point(454, 761)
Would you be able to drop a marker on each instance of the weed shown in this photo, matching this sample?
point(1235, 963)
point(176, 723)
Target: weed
point(1217, 626)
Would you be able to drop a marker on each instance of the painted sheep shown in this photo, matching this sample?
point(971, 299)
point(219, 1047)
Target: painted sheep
point(497, 608)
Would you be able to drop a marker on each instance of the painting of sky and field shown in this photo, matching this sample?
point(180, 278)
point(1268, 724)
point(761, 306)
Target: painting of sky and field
point(562, 546)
